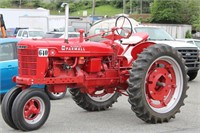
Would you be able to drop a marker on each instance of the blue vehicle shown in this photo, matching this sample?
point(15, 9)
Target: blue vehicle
point(9, 67)
point(8, 63)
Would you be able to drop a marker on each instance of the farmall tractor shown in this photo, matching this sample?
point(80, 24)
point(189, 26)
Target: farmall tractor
point(154, 78)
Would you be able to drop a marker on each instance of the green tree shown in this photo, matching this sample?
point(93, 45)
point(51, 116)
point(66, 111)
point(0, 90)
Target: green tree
point(190, 10)
point(5, 3)
point(196, 23)
point(34, 4)
point(18, 3)
point(166, 11)
point(188, 34)
point(176, 11)
point(117, 3)
point(37, 3)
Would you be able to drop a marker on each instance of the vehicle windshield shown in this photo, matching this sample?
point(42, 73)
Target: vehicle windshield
point(36, 33)
point(53, 35)
point(6, 52)
point(70, 29)
point(71, 35)
point(10, 33)
point(155, 33)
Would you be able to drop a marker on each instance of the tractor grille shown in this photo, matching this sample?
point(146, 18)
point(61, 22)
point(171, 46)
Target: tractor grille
point(27, 62)
point(191, 57)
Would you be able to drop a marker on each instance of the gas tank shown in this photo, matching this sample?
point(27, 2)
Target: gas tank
point(71, 49)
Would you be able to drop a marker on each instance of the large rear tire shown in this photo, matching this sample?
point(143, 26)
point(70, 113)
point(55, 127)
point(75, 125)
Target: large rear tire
point(157, 84)
point(7, 104)
point(30, 109)
point(94, 103)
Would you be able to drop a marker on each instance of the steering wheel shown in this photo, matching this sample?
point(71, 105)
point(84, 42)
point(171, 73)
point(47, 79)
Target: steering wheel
point(124, 26)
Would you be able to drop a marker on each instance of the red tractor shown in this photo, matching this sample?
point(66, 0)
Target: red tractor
point(97, 73)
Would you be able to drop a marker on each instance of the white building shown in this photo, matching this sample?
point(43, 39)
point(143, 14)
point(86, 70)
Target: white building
point(11, 16)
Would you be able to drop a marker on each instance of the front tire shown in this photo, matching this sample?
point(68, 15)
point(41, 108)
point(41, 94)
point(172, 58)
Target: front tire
point(7, 104)
point(157, 84)
point(192, 75)
point(30, 109)
point(94, 103)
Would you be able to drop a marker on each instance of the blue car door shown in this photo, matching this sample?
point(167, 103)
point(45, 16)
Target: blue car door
point(8, 66)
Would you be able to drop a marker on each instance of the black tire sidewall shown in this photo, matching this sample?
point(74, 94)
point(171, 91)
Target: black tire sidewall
point(20, 101)
point(7, 104)
point(89, 104)
point(104, 103)
point(184, 74)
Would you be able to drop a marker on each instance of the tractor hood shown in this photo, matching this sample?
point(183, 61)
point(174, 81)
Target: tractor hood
point(58, 47)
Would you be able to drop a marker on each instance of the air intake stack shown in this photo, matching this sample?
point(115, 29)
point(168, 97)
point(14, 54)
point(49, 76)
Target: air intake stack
point(66, 20)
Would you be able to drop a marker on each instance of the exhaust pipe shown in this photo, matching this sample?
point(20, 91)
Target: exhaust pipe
point(66, 20)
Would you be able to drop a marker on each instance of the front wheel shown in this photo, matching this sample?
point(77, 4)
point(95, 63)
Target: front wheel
point(157, 84)
point(7, 104)
point(30, 109)
point(98, 102)
point(192, 75)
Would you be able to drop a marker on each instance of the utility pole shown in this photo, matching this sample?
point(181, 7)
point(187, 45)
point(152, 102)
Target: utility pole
point(130, 7)
point(93, 9)
point(124, 6)
point(20, 3)
point(140, 6)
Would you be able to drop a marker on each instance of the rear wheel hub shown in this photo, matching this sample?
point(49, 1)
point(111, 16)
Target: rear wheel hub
point(161, 84)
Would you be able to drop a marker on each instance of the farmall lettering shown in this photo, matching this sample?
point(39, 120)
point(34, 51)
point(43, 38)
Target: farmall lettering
point(72, 48)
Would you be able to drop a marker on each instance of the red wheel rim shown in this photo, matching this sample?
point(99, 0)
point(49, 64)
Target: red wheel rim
point(160, 84)
point(100, 95)
point(33, 110)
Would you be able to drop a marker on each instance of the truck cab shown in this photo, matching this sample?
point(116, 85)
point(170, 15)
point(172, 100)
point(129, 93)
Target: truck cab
point(29, 34)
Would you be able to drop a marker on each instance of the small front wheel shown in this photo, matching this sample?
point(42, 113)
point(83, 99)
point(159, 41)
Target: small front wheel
point(30, 109)
point(7, 104)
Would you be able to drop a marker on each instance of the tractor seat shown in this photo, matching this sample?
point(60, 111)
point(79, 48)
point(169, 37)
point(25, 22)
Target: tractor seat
point(135, 38)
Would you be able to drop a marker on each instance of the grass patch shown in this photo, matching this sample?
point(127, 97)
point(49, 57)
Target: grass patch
point(99, 11)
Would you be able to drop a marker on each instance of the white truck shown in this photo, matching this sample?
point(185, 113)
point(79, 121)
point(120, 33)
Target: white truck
point(190, 52)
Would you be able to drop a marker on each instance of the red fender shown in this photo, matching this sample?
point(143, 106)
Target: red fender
point(138, 49)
